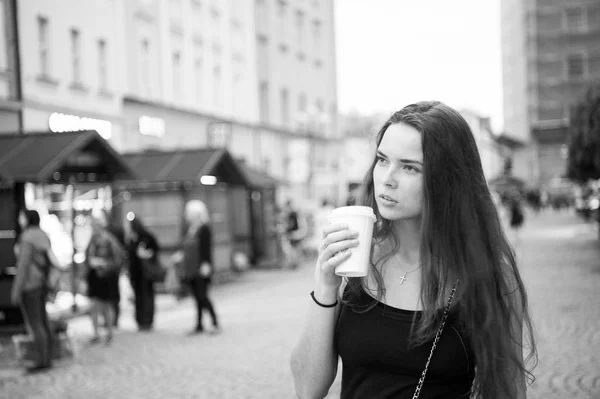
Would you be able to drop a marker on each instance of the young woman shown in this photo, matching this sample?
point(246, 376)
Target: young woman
point(30, 288)
point(141, 245)
point(198, 261)
point(105, 257)
point(441, 268)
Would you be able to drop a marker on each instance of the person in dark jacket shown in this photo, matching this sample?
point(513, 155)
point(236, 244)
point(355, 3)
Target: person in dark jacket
point(198, 260)
point(141, 245)
point(34, 260)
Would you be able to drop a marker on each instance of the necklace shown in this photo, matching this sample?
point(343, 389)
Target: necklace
point(403, 278)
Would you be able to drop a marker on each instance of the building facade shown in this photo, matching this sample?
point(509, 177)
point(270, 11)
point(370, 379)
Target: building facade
point(255, 77)
point(189, 64)
point(550, 55)
point(10, 88)
point(297, 92)
point(491, 152)
point(70, 66)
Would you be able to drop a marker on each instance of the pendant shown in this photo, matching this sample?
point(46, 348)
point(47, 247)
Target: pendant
point(403, 278)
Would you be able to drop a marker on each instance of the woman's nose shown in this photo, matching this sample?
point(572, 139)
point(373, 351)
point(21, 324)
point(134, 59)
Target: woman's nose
point(390, 178)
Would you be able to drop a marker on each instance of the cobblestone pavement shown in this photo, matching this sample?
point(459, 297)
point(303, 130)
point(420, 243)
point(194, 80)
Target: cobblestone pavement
point(263, 312)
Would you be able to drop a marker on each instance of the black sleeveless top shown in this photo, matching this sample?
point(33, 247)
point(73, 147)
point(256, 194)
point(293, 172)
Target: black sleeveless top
point(379, 364)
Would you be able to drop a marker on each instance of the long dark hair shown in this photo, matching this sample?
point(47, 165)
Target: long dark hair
point(462, 238)
point(32, 217)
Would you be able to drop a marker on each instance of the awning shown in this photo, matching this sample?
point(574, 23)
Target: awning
point(186, 166)
point(260, 179)
point(82, 156)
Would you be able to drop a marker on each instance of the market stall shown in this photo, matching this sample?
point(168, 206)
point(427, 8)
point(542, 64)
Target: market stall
point(62, 176)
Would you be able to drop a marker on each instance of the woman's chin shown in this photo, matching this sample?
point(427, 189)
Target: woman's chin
point(389, 214)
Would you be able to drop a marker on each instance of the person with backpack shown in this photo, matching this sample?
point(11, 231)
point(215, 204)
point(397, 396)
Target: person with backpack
point(104, 258)
point(30, 288)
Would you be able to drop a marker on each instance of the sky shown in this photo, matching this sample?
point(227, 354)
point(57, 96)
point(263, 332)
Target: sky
point(391, 53)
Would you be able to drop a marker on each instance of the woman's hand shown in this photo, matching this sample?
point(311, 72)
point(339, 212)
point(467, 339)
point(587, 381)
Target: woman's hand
point(144, 253)
point(205, 269)
point(332, 252)
point(15, 297)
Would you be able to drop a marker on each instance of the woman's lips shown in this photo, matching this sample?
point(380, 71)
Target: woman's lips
point(387, 198)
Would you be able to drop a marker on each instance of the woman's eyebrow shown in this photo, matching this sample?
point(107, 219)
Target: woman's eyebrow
point(403, 160)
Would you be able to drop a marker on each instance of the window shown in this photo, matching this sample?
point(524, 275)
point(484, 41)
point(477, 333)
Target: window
point(317, 38)
point(320, 120)
point(176, 11)
point(43, 46)
point(300, 30)
point(264, 102)
point(3, 52)
point(176, 60)
point(198, 72)
point(302, 102)
point(102, 65)
point(76, 55)
point(198, 78)
point(576, 66)
point(285, 107)
point(217, 88)
point(576, 18)
point(282, 15)
point(144, 69)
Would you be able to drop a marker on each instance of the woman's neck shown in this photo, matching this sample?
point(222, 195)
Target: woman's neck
point(408, 233)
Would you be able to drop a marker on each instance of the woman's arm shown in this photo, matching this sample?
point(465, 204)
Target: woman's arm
point(314, 359)
point(24, 261)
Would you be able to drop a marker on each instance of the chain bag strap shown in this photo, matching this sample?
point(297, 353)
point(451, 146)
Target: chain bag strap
point(435, 342)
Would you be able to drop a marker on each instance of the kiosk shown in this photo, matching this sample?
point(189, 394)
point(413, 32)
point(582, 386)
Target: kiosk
point(49, 170)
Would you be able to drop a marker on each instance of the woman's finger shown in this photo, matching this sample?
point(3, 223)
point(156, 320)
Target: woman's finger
point(338, 235)
point(333, 227)
point(333, 262)
point(337, 247)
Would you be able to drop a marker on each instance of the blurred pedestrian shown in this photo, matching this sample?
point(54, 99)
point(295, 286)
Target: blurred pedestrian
point(198, 261)
point(104, 259)
point(141, 247)
point(117, 230)
point(30, 287)
point(295, 232)
point(517, 217)
point(442, 311)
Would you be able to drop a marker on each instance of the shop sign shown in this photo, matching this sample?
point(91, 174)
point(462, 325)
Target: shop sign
point(60, 123)
point(149, 126)
point(8, 234)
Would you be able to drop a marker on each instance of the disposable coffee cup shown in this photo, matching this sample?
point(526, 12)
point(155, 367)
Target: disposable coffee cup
point(360, 219)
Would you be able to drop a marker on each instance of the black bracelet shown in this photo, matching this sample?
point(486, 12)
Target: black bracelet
point(312, 295)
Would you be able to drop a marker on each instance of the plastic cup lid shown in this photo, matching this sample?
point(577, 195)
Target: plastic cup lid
point(354, 210)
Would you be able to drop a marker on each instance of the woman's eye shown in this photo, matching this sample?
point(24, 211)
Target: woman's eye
point(410, 169)
point(381, 161)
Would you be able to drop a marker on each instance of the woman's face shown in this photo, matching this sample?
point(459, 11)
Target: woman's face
point(398, 173)
point(22, 220)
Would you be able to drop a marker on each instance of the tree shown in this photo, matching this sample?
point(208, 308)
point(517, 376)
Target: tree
point(584, 137)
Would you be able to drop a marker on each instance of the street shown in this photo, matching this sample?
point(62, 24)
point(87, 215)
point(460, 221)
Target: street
point(262, 314)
